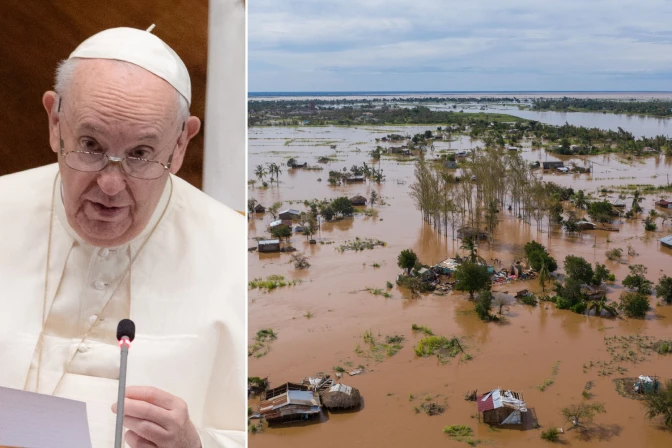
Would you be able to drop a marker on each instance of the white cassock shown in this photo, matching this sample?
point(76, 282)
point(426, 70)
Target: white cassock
point(185, 292)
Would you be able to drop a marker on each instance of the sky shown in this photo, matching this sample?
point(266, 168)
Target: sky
point(465, 45)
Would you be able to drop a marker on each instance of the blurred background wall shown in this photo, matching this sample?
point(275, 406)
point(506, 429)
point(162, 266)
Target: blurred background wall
point(36, 34)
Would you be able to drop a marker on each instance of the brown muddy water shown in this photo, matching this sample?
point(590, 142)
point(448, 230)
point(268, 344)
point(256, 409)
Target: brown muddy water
point(519, 354)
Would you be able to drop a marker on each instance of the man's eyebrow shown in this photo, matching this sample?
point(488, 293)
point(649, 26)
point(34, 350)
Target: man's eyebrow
point(90, 127)
point(93, 129)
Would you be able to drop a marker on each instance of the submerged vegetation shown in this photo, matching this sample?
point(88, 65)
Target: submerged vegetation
point(262, 343)
point(271, 282)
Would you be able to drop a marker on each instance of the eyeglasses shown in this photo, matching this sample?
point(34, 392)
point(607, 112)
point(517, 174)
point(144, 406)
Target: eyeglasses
point(90, 162)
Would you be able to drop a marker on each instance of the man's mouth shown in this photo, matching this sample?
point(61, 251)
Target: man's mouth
point(102, 212)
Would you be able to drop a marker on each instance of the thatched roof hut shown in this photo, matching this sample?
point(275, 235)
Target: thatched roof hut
point(340, 396)
point(259, 209)
point(358, 200)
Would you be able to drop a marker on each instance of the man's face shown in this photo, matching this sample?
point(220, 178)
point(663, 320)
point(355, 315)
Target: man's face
point(119, 111)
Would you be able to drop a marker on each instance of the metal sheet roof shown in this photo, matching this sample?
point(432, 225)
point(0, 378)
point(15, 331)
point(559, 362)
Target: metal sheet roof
point(666, 240)
point(264, 242)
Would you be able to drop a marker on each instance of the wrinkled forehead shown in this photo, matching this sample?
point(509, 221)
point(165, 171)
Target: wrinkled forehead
point(112, 94)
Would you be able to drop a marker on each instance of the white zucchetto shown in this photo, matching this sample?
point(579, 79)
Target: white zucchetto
point(141, 48)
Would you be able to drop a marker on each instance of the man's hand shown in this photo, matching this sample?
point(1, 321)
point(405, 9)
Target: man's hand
point(154, 418)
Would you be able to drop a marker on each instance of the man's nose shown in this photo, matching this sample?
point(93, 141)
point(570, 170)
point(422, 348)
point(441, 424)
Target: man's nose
point(112, 179)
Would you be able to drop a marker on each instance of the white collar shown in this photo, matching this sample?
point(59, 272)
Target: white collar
point(59, 210)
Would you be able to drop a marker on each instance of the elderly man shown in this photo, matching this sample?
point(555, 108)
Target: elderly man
point(109, 233)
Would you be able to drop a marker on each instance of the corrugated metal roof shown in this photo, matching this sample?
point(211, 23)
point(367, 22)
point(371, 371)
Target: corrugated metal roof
point(666, 240)
point(341, 388)
point(304, 397)
point(496, 399)
point(491, 400)
point(290, 210)
point(265, 242)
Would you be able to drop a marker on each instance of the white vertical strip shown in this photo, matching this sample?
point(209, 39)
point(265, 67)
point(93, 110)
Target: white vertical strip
point(225, 119)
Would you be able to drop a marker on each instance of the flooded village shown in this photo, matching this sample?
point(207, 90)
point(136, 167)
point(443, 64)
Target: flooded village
point(457, 272)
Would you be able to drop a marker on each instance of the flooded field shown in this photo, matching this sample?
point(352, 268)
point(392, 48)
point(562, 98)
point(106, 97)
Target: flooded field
point(547, 354)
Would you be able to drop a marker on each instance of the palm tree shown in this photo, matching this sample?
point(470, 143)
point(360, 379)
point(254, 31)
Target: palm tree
point(468, 244)
point(260, 172)
point(272, 167)
point(635, 203)
point(600, 305)
point(580, 200)
point(544, 275)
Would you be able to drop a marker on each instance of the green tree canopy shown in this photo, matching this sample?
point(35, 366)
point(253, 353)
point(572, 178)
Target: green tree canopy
point(536, 255)
point(660, 403)
point(600, 274)
point(634, 304)
point(569, 294)
point(483, 304)
point(664, 289)
point(471, 277)
point(407, 259)
point(342, 206)
point(636, 280)
point(600, 211)
point(579, 269)
point(281, 231)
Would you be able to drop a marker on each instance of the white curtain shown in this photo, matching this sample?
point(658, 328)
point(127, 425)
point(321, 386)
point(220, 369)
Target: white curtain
point(225, 109)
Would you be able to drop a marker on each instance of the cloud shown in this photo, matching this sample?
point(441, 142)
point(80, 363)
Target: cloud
point(303, 45)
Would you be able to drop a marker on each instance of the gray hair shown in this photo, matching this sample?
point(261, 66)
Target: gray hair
point(65, 73)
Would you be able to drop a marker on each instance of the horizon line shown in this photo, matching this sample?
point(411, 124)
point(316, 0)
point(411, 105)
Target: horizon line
point(451, 91)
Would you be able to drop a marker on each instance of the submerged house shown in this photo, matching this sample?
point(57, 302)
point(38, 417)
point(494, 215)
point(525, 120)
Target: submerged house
point(290, 402)
point(352, 179)
point(259, 209)
point(340, 396)
point(663, 203)
point(289, 213)
point(552, 165)
point(666, 241)
point(427, 275)
point(358, 200)
point(269, 246)
point(586, 225)
point(502, 407)
point(448, 266)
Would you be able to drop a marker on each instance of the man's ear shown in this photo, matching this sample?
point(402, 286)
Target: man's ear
point(51, 102)
point(189, 131)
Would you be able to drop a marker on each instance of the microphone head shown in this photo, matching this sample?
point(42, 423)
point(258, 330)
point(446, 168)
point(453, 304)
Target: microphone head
point(126, 328)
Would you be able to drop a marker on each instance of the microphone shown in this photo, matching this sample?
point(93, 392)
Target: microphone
point(125, 335)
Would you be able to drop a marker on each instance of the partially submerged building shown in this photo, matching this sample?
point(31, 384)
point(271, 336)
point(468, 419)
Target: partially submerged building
point(340, 396)
point(502, 407)
point(586, 225)
point(290, 402)
point(663, 203)
point(259, 209)
point(666, 241)
point(289, 213)
point(358, 200)
point(552, 165)
point(268, 246)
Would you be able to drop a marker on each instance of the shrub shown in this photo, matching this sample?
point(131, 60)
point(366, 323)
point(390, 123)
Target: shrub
point(529, 300)
point(561, 303)
point(634, 304)
point(579, 308)
point(551, 434)
point(483, 305)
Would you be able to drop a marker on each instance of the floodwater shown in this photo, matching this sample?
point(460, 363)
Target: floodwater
point(638, 125)
point(519, 354)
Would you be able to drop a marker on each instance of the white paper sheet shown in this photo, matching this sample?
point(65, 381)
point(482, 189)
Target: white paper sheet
point(33, 420)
